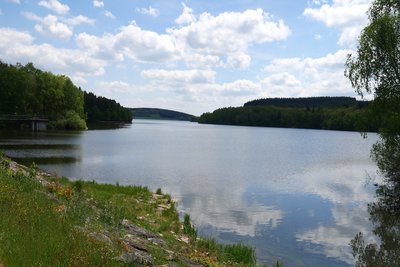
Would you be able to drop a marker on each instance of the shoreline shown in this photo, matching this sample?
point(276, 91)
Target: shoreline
point(131, 223)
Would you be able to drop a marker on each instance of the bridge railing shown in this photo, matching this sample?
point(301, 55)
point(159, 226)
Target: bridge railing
point(13, 117)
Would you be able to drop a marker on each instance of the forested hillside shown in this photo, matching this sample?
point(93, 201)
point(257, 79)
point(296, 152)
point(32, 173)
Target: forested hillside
point(26, 90)
point(329, 113)
point(98, 108)
point(303, 102)
point(161, 114)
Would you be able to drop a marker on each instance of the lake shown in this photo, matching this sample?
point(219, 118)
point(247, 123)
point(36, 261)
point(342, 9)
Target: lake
point(296, 195)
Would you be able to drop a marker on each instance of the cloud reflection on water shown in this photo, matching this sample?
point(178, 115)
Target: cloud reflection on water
point(252, 210)
point(227, 211)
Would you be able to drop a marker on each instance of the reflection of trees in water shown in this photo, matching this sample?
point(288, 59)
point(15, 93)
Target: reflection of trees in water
point(385, 211)
point(375, 68)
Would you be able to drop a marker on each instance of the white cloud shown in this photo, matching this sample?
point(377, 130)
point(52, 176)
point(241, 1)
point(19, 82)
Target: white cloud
point(55, 6)
point(348, 16)
point(339, 15)
point(16, 46)
point(317, 2)
point(280, 84)
point(349, 36)
point(238, 60)
point(97, 3)
point(180, 77)
point(108, 14)
point(308, 76)
point(151, 11)
point(115, 86)
point(195, 60)
point(186, 17)
point(74, 21)
point(11, 36)
point(99, 47)
point(51, 26)
point(227, 35)
point(132, 42)
point(209, 41)
point(200, 86)
point(239, 88)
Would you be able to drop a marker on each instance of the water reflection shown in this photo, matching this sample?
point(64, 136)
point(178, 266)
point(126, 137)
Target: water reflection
point(213, 213)
point(43, 148)
point(23, 146)
point(296, 195)
point(107, 125)
point(385, 211)
point(45, 160)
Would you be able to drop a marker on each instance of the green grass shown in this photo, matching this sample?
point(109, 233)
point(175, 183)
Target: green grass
point(232, 253)
point(52, 225)
point(188, 227)
point(35, 231)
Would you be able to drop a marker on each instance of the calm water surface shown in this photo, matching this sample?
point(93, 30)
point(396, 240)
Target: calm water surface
point(296, 195)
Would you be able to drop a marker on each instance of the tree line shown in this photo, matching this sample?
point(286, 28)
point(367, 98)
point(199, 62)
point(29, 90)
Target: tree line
point(302, 102)
point(161, 114)
point(26, 90)
point(330, 113)
point(98, 108)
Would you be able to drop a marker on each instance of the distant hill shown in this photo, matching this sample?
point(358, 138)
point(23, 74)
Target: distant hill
point(161, 114)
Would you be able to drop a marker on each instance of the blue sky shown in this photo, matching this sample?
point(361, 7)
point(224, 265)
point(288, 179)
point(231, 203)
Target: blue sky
point(192, 56)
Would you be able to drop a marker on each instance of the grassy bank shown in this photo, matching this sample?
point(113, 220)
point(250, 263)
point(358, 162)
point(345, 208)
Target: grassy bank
point(51, 221)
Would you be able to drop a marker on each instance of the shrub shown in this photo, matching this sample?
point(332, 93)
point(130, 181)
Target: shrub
point(70, 120)
point(188, 228)
point(239, 253)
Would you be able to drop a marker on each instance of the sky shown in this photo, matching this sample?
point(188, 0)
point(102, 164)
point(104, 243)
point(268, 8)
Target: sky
point(192, 56)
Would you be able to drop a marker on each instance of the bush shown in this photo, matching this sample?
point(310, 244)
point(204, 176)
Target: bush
point(239, 253)
point(71, 121)
point(188, 228)
point(235, 253)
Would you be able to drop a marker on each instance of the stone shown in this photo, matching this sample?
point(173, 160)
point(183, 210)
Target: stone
point(138, 257)
point(136, 230)
point(102, 237)
point(135, 242)
point(158, 242)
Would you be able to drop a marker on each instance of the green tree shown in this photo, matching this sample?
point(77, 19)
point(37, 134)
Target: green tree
point(375, 68)
point(25, 90)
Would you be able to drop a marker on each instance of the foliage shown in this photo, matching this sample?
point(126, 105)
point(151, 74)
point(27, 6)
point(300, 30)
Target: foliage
point(375, 68)
point(239, 253)
point(188, 228)
point(26, 90)
point(100, 108)
point(230, 253)
point(303, 102)
point(332, 118)
point(71, 120)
